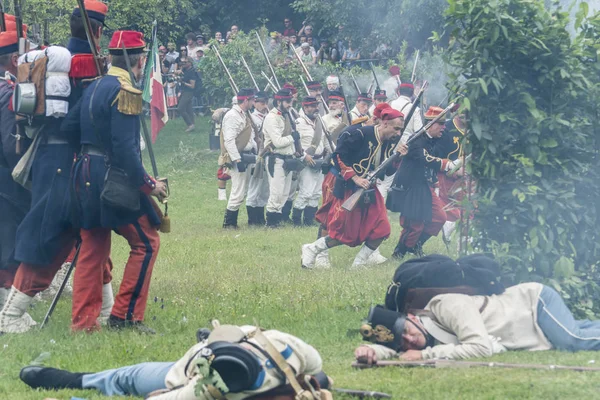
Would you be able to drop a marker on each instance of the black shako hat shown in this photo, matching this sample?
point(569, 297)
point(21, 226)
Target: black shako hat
point(384, 327)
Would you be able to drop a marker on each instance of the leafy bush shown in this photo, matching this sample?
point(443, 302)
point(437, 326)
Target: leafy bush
point(531, 94)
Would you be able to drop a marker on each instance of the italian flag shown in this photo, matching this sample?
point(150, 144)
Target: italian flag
point(154, 93)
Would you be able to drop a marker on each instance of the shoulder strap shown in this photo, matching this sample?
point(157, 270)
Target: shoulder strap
point(91, 113)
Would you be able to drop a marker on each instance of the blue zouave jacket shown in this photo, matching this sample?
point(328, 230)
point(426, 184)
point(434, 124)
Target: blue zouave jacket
point(110, 126)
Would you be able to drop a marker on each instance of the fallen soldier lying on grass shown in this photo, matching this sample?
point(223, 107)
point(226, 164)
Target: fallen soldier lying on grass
point(528, 316)
point(230, 362)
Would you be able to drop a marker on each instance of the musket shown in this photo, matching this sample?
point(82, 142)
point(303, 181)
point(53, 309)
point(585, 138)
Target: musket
point(414, 106)
point(234, 87)
point(269, 81)
point(19, 22)
point(262, 48)
point(355, 84)
point(2, 21)
point(374, 76)
point(323, 127)
point(145, 132)
point(363, 394)
point(247, 67)
point(414, 71)
point(346, 106)
point(325, 106)
point(90, 37)
point(352, 201)
point(309, 76)
point(472, 364)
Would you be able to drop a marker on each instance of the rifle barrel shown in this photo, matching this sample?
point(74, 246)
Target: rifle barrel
point(250, 73)
point(87, 25)
point(232, 83)
point(262, 48)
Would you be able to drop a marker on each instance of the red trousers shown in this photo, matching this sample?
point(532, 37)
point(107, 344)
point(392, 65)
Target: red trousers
point(31, 279)
point(447, 187)
point(90, 275)
point(412, 229)
point(6, 278)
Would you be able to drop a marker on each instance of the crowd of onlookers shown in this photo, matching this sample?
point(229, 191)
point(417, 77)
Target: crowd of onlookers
point(182, 71)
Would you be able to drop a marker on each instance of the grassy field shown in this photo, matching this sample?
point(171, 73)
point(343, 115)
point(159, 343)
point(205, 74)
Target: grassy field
point(203, 272)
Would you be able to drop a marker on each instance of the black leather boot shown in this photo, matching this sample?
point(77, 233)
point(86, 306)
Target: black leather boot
point(251, 211)
point(51, 378)
point(260, 215)
point(230, 220)
point(285, 212)
point(309, 216)
point(273, 219)
point(297, 217)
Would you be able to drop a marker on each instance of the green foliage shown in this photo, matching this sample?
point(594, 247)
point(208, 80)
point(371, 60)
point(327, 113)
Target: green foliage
point(531, 95)
point(203, 272)
point(370, 22)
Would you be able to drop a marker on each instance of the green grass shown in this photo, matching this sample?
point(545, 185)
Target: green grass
point(203, 272)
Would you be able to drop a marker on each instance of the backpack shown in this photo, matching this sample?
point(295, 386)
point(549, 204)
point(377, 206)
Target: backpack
point(417, 281)
point(36, 98)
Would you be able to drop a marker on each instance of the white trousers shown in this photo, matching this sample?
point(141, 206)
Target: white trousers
point(239, 187)
point(279, 187)
point(294, 186)
point(385, 185)
point(258, 190)
point(309, 188)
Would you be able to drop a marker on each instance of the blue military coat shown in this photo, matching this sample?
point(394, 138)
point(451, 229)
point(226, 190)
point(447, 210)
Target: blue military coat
point(111, 125)
point(14, 198)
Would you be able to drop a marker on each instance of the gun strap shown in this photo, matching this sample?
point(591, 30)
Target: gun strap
point(276, 356)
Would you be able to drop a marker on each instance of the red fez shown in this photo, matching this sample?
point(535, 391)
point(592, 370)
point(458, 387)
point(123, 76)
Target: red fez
point(394, 70)
point(390, 113)
point(95, 9)
point(379, 108)
point(433, 112)
point(291, 88)
point(11, 24)
point(407, 85)
point(134, 42)
point(9, 42)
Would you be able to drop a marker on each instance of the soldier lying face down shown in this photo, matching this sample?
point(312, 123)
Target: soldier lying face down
point(528, 316)
point(230, 362)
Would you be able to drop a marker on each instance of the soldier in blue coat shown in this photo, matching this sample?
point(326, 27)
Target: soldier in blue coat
point(110, 138)
point(46, 236)
point(14, 198)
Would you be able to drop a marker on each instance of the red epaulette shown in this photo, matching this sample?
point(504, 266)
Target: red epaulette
point(83, 66)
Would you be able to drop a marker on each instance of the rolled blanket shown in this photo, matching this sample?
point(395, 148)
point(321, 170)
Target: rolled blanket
point(57, 85)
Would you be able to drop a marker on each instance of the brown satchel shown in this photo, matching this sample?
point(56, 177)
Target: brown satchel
point(32, 73)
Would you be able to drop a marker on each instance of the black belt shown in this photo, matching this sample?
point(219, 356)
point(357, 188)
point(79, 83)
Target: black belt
point(92, 150)
point(281, 156)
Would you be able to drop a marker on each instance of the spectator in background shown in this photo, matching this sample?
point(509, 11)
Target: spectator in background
point(219, 37)
point(302, 39)
point(188, 86)
point(338, 48)
point(307, 54)
point(199, 56)
point(200, 42)
point(192, 46)
point(183, 52)
point(324, 53)
point(233, 32)
point(172, 55)
point(351, 55)
point(289, 29)
point(307, 31)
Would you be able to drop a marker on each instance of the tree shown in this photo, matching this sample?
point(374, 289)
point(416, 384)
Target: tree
point(531, 95)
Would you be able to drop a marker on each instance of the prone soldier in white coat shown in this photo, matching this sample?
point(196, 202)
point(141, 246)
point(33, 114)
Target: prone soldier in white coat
point(403, 104)
point(279, 134)
point(310, 178)
point(258, 188)
point(239, 151)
